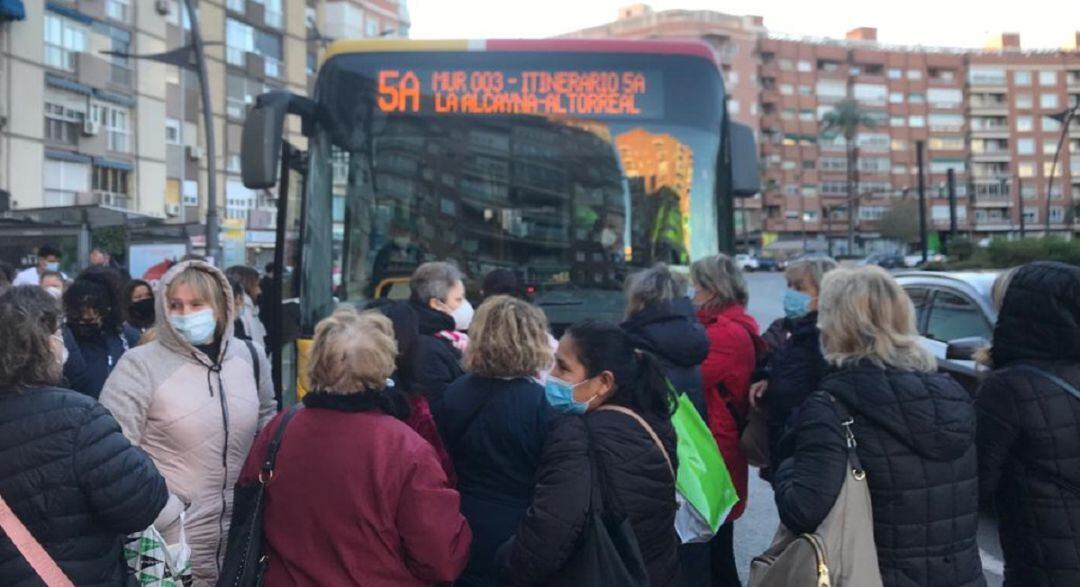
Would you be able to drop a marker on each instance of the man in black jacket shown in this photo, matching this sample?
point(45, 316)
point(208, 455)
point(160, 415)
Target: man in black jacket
point(438, 290)
point(1029, 426)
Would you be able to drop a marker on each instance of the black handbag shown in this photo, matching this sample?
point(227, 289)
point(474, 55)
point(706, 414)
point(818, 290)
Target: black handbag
point(245, 561)
point(607, 554)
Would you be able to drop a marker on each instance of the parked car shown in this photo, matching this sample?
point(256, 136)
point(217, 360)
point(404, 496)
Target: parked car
point(954, 316)
point(747, 262)
point(886, 260)
point(915, 259)
point(768, 264)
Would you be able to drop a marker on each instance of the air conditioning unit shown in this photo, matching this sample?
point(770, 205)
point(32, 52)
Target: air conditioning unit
point(172, 209)
point(195, 153)
point(91, 127)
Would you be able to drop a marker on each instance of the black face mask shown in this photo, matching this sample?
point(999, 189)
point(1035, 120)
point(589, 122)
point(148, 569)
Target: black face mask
point(142, 312)
point(85, 330)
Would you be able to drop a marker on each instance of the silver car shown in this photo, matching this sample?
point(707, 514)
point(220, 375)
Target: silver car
point(954, 317)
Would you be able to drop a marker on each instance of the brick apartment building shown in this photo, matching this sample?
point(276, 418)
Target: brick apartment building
point(984, 113)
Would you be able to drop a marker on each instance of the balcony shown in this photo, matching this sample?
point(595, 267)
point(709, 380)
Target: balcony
point(991, 156)
point(986, 106)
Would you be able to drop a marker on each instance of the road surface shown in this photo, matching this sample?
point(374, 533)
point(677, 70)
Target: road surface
point(754, 531)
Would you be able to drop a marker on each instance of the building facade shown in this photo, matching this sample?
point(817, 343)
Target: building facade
point(81, 127)
point(992, 116)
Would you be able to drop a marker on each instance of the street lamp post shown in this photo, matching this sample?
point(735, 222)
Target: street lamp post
point(1064, 117)
point(208, 129)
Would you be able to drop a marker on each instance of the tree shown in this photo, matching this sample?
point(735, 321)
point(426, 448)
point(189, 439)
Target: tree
point(901, 221)
point(844, 120)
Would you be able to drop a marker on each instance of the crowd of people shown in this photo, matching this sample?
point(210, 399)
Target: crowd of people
point(441, 445)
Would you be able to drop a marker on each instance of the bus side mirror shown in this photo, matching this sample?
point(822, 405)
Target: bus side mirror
point(745, 175)
point(260, 142)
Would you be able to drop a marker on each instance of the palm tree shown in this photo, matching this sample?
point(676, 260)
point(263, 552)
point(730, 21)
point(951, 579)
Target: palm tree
point(845, 119)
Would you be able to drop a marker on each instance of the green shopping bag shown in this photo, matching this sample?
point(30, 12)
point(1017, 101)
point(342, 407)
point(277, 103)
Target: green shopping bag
point(705, 492)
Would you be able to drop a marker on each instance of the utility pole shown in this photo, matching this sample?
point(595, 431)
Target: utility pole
point(1064, 117)
point(1020, 204)
point(208, 128)
point(950, 177)
point(922, 200)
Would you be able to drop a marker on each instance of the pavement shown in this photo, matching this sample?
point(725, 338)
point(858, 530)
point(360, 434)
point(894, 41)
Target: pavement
point(754, 531)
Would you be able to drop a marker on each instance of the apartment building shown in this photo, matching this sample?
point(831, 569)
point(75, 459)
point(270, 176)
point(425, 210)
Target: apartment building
point(990, 115)
point(81, 127)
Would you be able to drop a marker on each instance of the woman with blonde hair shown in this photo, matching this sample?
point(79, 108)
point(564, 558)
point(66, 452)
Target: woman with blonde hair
point(194, 399)
point(357, 497)
point(494, 423)
point(914, 433)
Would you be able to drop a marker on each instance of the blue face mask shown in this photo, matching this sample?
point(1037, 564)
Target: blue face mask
point(796, 303)
point(197, 328)
point(560, 396)
point(54, 266)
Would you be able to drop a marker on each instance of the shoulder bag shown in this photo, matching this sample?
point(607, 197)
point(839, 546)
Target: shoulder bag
point(245, 559)
point(31, 550)
point(841, 552)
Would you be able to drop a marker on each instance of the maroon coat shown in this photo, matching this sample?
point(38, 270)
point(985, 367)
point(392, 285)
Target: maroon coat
point(357, 498)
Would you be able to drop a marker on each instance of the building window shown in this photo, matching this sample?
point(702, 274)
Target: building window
point(1026, 169)
point(733, 107)
point(63, 124)
point(1050, 124)
point(871, 212)
point(786, 64)
point(805, 90)
point(372, 28)
point(119, 66)
point(947, 143)
point(899, 169)
point(806, 115)
point(64, 181)
point(916, 98)
point(240, 91)
point(1057, 214)
point(1024, 101)
point(944, 165)
point(898, 145)
point(914, 74)
point(917, 121)
point(173, 132)
point(991, 76)
point(312, 63)
point(873, 94)
point(895, 73)
point(115, 122)
point(239, 39)
point(273, 15)
point(805, 66)
point(1022, 78)
point(1047, 78)
point(236, 5)
point(897, 121)
point(787, 89)
point(872, 141)
point(831, 89)
point(1024, 123)
point(1050, 147)
point(117, 10)
point(1025, 146)
point(946, 121)
point(944, 97)
point(113, 185)
point(1048, 101)
point(63, 41)
point(808, 164)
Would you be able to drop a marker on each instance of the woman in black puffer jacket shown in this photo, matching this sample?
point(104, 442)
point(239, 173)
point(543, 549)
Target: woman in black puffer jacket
point(1029, 426)
point(595, 366)
point(68, 473)
point(915, 430)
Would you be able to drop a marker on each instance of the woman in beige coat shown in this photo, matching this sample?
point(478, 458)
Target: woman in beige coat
point(194, 399)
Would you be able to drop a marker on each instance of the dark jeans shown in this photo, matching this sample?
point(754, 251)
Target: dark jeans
point(712, 563)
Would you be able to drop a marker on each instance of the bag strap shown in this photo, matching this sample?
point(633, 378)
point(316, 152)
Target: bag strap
point(1068, 387)
point(254, 362)
point(645, 425)
point(849, 437)
point(28, 546)
point(267, 472)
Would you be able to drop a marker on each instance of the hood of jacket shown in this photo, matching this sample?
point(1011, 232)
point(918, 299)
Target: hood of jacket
point(928, 412)
point(671, 331)
point(1040, 318)
point(432, 321)
point(168, 336)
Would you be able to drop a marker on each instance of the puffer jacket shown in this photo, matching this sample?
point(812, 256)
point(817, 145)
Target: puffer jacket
point(734, 349)
point(1029, 427)
point(440, 362)
point(794, 371)
point(90, 360)
point(915, 435)
point(672, 332)
point(196, 416)
point(637, 476)
point(75, 482)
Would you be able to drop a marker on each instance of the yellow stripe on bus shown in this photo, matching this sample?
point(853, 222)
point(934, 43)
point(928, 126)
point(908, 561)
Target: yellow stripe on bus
point(396, 46)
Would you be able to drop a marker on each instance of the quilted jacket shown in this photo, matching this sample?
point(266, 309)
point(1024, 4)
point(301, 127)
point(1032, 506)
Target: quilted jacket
point(916, 439)
point(196, 416)
point(1029, 428)
point(75, 482)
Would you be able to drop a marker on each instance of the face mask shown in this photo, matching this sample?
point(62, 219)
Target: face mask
point(84, 330)
point(142, 311)
point(691, 292)
point(608, 238)
point(560, 395)
point(62, 354)
point(55, 292)
point(197, 328)
point(463, 316)
point(54, 266)
point(402, 242)
point(796, 303)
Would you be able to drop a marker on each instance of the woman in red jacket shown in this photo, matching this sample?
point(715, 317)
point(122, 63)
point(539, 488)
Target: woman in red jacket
point(357, 497)
point(720, 294)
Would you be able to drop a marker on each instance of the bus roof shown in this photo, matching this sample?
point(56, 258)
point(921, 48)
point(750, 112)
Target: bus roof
point(669, 47)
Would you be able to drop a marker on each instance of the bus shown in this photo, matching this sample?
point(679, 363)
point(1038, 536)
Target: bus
point(571, 162)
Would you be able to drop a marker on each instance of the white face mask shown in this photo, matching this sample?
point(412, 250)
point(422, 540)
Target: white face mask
point(62, 352)
point(55, 292)
point(463, 316)
point(608, 238)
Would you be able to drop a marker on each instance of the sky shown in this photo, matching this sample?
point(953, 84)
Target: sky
point(1042, 24)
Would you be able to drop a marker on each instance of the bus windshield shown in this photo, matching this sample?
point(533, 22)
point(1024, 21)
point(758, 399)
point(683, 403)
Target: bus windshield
point(572, 169)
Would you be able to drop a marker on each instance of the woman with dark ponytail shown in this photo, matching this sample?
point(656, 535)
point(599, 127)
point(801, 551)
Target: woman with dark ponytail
point(617, 406)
